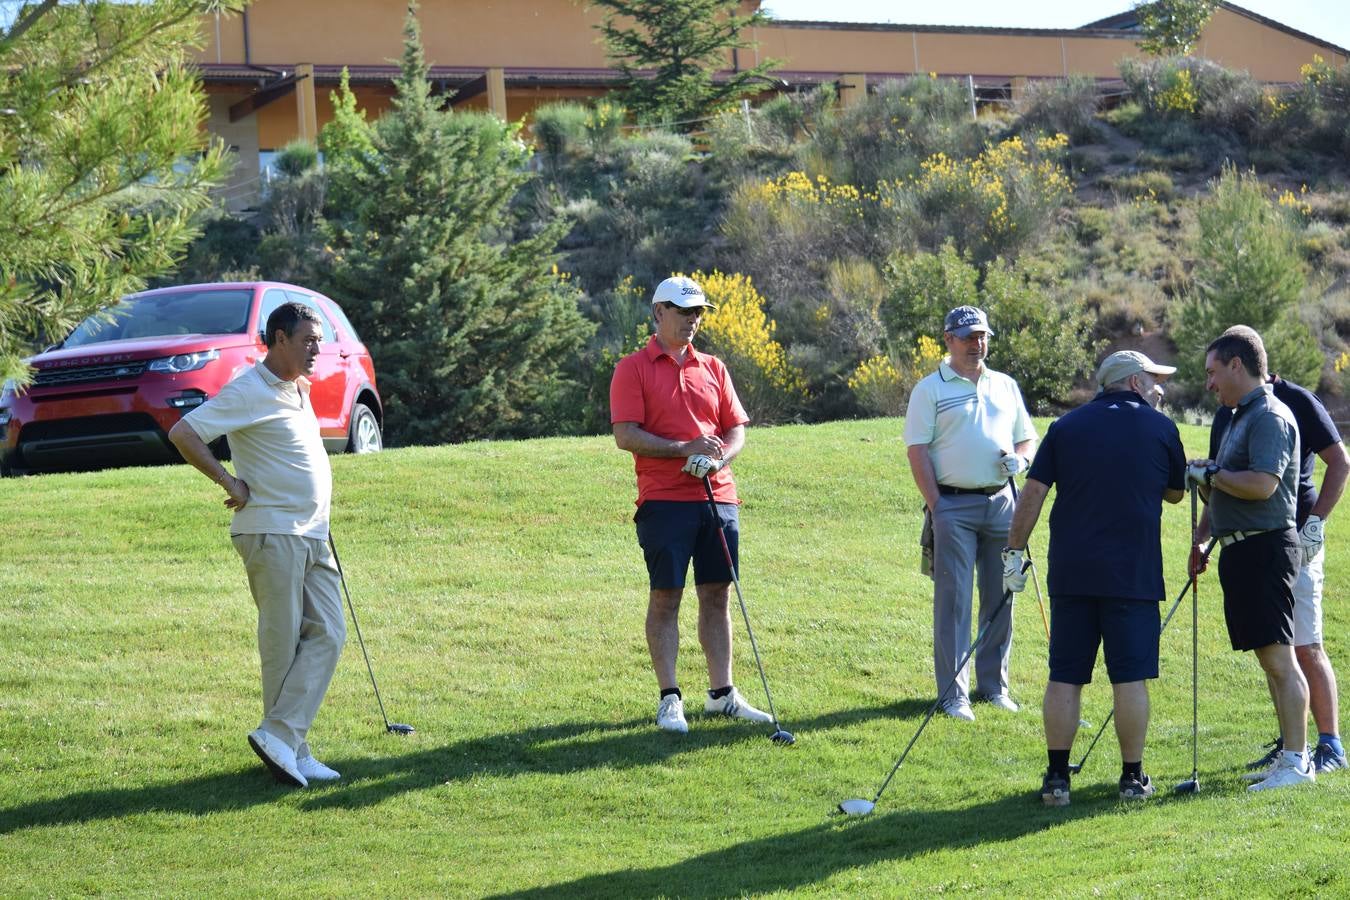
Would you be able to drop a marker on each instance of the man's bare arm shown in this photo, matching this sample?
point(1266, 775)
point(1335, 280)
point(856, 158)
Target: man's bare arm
point(200, 457)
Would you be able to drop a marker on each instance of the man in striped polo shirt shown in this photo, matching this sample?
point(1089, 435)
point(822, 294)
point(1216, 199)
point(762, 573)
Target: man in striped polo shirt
point(968, 432)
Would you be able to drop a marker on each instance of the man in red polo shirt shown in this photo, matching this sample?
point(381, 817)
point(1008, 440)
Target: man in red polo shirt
point(676, 411)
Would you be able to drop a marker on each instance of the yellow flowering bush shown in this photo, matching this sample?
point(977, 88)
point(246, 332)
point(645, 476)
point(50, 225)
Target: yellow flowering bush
point(882, 386)
point(991, 205)
point(741, 334)
point(1177, 93)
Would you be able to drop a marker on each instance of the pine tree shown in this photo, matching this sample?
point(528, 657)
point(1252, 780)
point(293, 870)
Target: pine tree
point(1248, 271)
point(668, 53)
point(103, 163)
point(469, 330)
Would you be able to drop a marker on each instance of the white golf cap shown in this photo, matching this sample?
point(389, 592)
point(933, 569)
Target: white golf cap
point(680, 291)
point(1124, 363)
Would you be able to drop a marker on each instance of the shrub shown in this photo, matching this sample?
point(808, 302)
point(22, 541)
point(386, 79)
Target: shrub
point(1142, 185)
point(993, 205)
point(559, 130)
point(1043, 334)
point(742, 335)
point(882, 385)
point(889, 132)
point(1060, 106)
point(922, 288)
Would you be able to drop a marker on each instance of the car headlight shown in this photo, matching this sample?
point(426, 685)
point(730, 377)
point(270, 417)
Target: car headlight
point(183, 362)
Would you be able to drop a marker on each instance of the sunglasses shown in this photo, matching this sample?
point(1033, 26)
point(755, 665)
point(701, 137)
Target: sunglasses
point(686, 311)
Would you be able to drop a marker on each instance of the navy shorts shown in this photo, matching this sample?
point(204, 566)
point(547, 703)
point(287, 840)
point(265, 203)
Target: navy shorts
point(1258, 577)
point(1127, 630)
point(672, 532)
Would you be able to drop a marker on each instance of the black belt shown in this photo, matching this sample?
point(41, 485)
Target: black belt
point(986, 491)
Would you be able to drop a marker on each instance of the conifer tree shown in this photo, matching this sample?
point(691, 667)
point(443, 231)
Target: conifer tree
point(669, 52)
point(470, 330)
point(103, 162)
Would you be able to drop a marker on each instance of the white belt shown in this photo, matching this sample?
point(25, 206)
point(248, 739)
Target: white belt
point(1229, 540)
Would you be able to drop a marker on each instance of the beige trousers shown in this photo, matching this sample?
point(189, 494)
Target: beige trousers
point(301, 629)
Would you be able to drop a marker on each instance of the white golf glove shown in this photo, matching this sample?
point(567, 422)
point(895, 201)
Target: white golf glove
point(1014, 570)
point(699, 465)
point(1010, 464)
point(1198, 474)
point(1311, 536)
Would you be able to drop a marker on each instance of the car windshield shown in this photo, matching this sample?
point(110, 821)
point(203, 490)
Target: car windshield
point(167, 314)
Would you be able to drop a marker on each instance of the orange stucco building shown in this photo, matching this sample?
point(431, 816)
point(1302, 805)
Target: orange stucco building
point(269, 71)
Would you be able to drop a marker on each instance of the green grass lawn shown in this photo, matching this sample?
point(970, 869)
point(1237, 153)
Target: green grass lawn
point(502, 597)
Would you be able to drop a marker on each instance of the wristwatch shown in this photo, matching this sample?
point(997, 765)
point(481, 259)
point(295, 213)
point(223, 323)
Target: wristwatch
point(1210, 471)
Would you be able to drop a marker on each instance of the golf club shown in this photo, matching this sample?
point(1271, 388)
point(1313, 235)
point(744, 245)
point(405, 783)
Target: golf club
point(395, 727)
point(780, 735)
point(1035, 580)
point(860, 807)
point(1192, 785)
point(1077, 767)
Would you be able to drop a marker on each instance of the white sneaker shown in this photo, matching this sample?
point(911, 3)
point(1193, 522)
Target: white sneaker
point(1290, 769)
point(313, 770)
point(734, 705)
point(959, 708)
point(1003, 702)
point(278, 757)
point(670, 714)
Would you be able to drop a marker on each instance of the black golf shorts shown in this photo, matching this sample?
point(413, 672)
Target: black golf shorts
point(672, 532)
point(1127, 631)
point(1258, 577)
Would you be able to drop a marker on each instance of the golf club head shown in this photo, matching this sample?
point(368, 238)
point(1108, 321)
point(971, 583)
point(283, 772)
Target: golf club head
point(1190, 786)
point(783, 737)
point(396, 728)
point(857, 807)
point(1075, 768)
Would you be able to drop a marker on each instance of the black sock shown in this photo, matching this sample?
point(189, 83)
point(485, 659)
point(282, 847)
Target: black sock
point(1132, 770)
point(668, 691)
point(1059, 762)
point(719, 693)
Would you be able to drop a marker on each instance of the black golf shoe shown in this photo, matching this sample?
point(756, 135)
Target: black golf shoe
point(1055, 789)
point(1132, 788)
point(1276, 747)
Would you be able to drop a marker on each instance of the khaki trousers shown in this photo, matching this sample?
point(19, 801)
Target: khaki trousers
point(301, 629)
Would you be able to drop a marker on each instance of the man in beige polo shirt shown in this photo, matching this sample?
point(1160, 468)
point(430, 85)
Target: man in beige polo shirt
point(280, 529)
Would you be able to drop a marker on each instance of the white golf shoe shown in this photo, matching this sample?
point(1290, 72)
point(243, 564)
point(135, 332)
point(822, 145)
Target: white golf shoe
point(1289, 770)
point(313, 770)
point(277, 756)
point(670, 714)
point(735, 706)
point(959, 708)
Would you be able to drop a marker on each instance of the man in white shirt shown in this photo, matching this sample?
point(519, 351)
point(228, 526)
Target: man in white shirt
point(968, 432)
point(280, 529)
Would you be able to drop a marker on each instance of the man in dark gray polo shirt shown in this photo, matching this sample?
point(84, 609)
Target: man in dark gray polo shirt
point(1252, 489)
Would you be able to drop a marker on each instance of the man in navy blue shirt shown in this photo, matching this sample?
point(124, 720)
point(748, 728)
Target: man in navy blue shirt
point(1113, 461)
point(1317, 437)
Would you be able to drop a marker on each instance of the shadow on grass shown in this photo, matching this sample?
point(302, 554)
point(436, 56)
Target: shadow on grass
point(800, 859)
point(553, 749)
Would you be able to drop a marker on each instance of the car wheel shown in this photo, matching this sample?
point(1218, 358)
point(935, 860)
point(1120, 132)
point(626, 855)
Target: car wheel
point(364, 432)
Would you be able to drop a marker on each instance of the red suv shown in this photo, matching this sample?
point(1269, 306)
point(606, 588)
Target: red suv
point(109, 393)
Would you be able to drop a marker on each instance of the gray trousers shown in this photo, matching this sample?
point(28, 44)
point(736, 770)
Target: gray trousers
point(969, 534)
point(294, 581)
